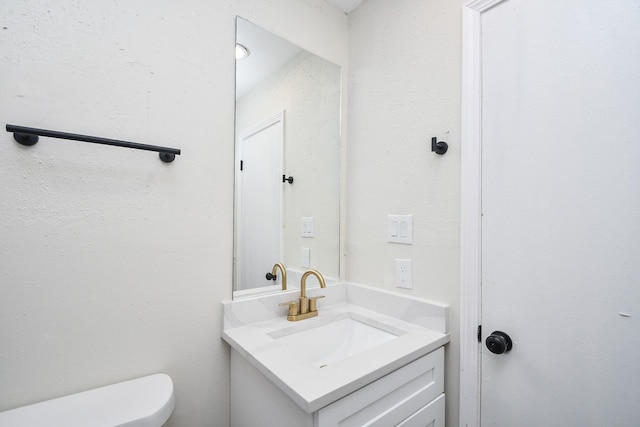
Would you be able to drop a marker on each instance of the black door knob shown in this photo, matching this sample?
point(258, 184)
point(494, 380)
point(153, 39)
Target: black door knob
point(499, 342)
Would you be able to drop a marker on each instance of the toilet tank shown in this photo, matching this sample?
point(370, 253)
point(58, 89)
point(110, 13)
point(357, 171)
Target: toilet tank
point(141, 402)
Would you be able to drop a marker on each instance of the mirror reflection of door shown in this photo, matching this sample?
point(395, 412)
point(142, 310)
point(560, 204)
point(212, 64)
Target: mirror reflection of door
point(260, 202)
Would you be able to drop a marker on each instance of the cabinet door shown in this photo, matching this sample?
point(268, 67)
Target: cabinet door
point(391, 400)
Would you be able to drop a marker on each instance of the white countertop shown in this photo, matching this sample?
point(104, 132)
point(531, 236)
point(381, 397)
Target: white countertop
point(250, 324)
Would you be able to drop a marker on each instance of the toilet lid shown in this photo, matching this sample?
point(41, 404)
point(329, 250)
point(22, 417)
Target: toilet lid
point(141, 402)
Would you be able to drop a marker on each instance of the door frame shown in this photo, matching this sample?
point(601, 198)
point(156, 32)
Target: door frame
point(470, 210)
point(278, 118)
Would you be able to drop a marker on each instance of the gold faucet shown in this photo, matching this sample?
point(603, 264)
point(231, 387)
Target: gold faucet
point(273, 276)
point(305, 307)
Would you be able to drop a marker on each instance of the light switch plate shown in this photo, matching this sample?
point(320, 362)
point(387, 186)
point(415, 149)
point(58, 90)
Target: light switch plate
point(400, 229)
point(307, 226)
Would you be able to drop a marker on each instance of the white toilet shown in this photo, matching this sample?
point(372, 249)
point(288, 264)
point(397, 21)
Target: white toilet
point(141, 402)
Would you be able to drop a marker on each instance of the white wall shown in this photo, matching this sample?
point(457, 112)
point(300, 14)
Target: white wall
point(404, 88)
point(307, 89)
point(113, 264)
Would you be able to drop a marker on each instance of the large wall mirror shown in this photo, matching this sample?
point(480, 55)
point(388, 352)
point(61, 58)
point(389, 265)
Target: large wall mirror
point(287, 191)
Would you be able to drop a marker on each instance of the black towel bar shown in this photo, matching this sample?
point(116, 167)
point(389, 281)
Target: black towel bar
point(29, 136)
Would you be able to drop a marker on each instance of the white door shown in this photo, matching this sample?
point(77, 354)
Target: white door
point(259, 225)
point(561, 212)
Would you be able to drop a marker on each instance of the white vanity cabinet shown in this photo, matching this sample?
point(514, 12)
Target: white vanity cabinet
point(370, 357)
point(412, 395)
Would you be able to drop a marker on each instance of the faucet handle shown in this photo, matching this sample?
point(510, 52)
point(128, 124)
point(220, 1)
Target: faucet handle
point(313, 305)
point(293, 307)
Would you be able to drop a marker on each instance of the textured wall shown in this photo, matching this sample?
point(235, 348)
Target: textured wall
point(112, 263)
point(404, 88)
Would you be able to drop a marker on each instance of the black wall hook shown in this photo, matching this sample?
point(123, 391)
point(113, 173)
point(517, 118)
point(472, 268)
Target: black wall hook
point(285, 179)
point(439, 147)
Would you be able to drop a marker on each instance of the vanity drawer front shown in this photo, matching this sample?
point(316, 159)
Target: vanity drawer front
point(431, 415)
point(390, 400)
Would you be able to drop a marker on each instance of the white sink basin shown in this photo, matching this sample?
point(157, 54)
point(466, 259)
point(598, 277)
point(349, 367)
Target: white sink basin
point(334, 339)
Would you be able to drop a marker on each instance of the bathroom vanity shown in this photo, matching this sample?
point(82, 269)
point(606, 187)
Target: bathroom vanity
point(370, 357)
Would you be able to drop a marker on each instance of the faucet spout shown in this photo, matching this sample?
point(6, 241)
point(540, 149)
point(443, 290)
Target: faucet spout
point(303, 281)
point(283, 270)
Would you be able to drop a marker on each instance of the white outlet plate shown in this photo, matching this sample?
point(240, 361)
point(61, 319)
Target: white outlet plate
point(404, 274)
point(400, 229)
point(305, 257)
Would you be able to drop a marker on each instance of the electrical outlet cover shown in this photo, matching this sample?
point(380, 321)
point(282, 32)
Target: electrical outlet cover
point(305, 257)
point(404, 274)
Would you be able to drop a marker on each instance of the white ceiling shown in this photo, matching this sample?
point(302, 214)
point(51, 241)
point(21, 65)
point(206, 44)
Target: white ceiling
point(268, 52)
point(347, 6)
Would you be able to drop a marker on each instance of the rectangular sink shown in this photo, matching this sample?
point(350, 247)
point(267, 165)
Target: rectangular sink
point(333, 340)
